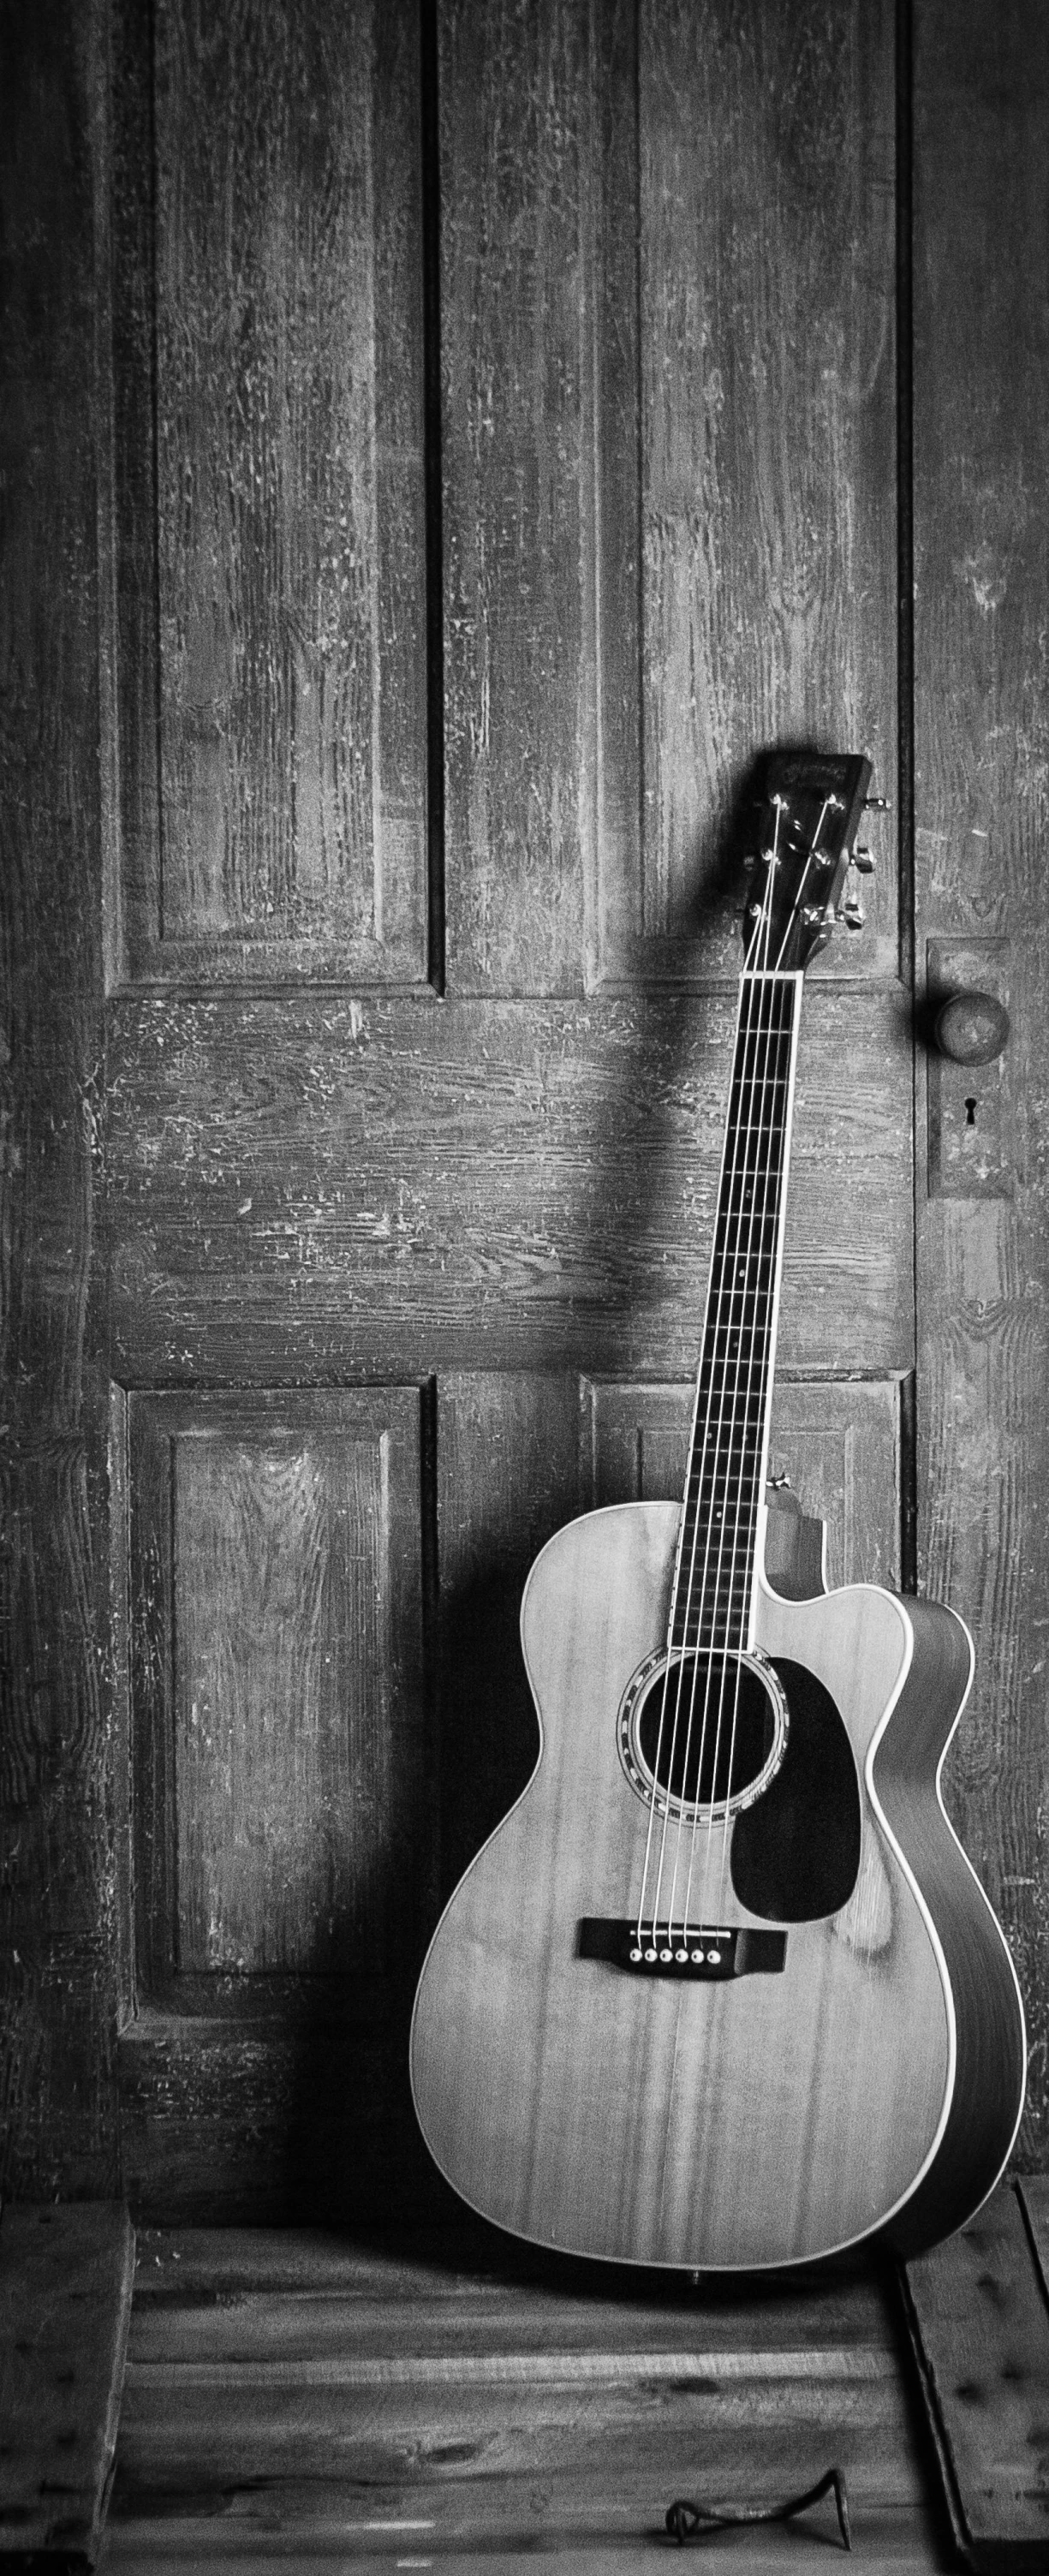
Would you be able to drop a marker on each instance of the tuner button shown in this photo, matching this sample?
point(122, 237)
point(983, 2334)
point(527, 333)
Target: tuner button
point(852, 913)
point(876, 805)
point(863, 860)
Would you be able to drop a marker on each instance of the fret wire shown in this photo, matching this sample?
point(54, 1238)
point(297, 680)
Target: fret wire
point(740, 1309)
point(741, 1186)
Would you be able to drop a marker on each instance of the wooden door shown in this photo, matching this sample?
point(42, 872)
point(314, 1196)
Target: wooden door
point(502, 430)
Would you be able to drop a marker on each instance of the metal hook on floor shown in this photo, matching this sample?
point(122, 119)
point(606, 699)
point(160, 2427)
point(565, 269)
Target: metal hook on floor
point(687, 2521)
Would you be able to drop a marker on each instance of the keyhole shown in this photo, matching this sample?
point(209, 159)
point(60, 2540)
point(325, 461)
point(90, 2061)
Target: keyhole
point(970, 1111)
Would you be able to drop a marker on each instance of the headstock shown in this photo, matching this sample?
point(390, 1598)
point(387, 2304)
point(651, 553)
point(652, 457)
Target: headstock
point(807, 812)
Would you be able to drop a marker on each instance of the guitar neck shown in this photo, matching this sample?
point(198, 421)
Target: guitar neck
point(711, 1602)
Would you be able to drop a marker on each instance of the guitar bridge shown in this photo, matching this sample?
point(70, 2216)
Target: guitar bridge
point(702, 1950)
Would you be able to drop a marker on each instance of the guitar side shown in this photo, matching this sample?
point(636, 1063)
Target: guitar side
point(905, 1768)
point(725, 2125)
point(988, 2096)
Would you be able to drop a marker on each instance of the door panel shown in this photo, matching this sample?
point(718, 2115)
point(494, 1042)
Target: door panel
point(837, 1445)
point(281, 1793)
point(279, 1742)
point(271, 533)
point(304, 1187)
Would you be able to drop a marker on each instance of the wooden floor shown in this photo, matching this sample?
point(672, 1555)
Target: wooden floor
point(293, 2402)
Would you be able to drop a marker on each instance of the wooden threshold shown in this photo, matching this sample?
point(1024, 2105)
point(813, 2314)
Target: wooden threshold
point(978, 2310)
point(66, 2272)
point(293, 2401)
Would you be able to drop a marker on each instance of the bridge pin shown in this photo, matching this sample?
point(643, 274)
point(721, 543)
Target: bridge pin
point(666, 1954)
point(714, 1958)
point(681, 1954)
point(635, 1955)
point(650, 1954)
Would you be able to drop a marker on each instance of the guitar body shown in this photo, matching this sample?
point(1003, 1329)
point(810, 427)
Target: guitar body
point(872, 2080)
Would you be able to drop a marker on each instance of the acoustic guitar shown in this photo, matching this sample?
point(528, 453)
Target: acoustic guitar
point(723, 1990)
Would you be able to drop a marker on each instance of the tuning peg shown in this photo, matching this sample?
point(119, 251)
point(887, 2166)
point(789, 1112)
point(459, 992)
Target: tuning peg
point(863, 860)
point(851, 912)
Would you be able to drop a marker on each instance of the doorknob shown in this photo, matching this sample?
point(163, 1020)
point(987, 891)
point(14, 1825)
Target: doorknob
point(972, 1028)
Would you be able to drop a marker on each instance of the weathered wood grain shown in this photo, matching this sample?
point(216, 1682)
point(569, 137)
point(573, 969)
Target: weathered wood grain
point(767, 448)
point(838, 1444)
point(308, 1189)
point(510, 1472)
point(666, 516)
point(283, 1607)
point(516, 330)
point(284, 1849)
point(292, 2110)
point(252, 2294)
point(275, 1547)
point(66, 2276)
point(483, 2412)
point(906, 2538)
point(57, 1963)
point(981, 457)
point(977, 2315)
point(282, 245)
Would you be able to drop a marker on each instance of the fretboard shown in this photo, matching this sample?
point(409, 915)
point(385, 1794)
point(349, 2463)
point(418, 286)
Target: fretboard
point(714, 1576)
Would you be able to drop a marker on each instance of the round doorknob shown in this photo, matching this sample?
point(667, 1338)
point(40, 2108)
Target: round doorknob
point(972, 1028)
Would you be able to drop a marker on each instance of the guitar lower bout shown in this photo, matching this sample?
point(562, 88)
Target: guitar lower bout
point(690, 2006)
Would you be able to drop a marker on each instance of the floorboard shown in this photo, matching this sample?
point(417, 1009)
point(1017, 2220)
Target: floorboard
point(293, 2401)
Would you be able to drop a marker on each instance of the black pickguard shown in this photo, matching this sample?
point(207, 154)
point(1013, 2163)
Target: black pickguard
point(796, 1851)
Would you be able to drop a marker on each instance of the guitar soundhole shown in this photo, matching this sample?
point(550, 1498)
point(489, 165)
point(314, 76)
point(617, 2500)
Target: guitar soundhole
point(706, 1732)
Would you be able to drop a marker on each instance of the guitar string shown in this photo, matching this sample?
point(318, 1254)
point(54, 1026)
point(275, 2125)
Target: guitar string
point(720, 1649)
point(779, 1021)
point(741, 1435)
point(794, 991)
point(678, 1669)
point(747, 1387)
point(748, 1029)
point(688, 1666)
point(773, 1077)
point(720, 1461)
point(676, 1587)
